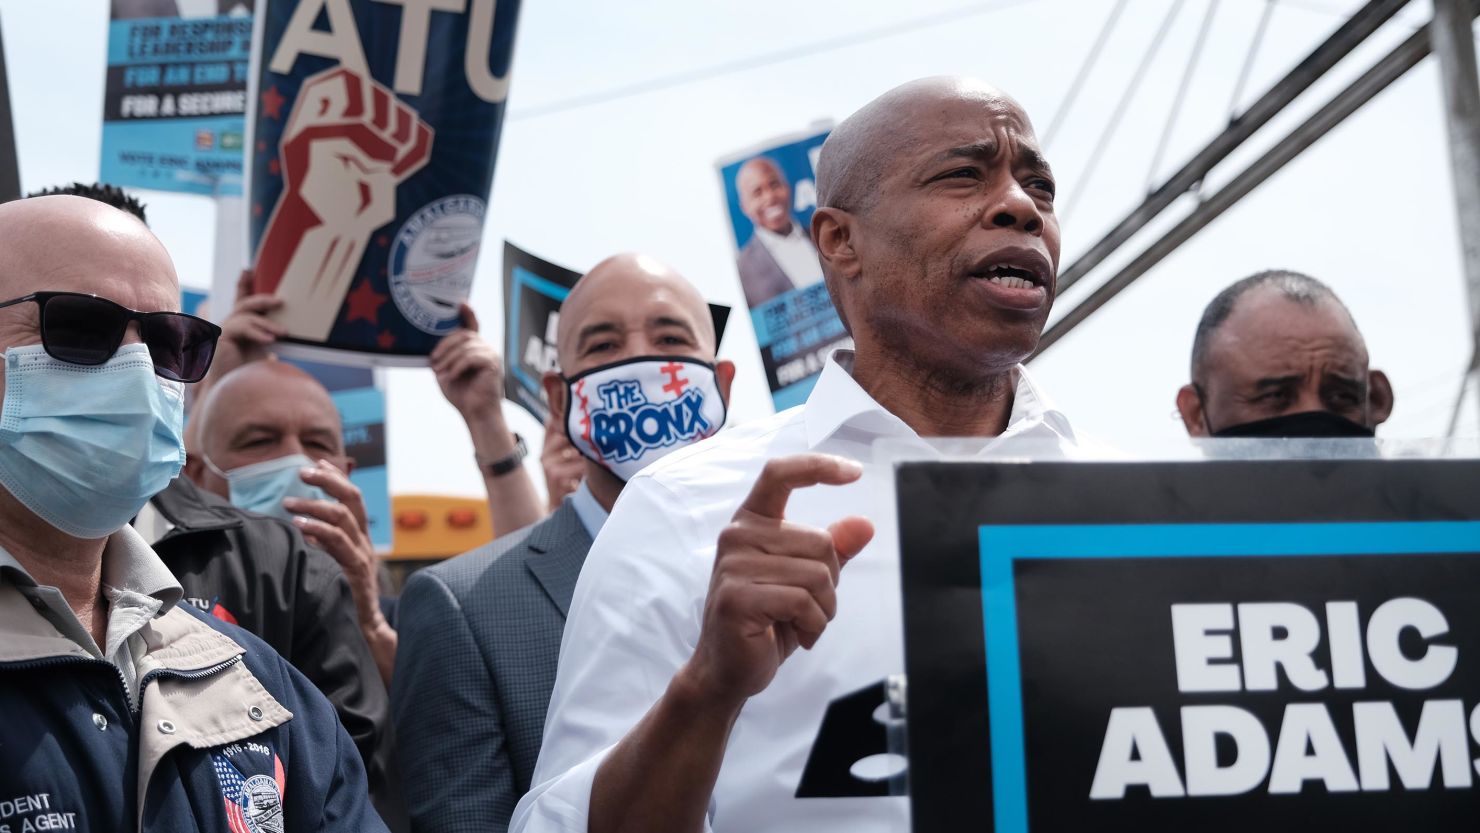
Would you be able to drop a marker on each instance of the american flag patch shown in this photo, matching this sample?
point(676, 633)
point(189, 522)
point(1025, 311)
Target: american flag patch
point(254, 804)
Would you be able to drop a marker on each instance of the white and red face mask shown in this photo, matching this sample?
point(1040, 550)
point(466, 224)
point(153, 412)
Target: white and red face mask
point(627, 414)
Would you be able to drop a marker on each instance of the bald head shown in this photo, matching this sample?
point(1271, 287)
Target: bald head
point(262, 411)
point(632, 305)
point(860, 150)
point(75, 244)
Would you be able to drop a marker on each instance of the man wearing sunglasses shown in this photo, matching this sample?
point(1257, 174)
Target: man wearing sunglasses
point(123, 708)
point(259, 573)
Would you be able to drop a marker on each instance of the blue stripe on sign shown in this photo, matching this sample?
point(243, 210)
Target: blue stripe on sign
point(523, 277)
point(1002, 545)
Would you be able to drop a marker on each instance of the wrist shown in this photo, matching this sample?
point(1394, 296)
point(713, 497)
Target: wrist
point(693, 690)
point(491, 435)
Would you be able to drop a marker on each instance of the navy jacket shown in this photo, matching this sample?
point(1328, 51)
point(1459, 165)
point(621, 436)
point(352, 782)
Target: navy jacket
point(226, 736)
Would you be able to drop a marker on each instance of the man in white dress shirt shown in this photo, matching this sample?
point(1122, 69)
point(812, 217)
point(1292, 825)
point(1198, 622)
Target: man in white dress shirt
point(681, 702)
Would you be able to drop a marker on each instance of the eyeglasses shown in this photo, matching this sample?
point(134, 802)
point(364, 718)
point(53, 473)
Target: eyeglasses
point(87, 330)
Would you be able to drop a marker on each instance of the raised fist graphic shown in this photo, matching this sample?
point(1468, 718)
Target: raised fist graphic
point(349, 142)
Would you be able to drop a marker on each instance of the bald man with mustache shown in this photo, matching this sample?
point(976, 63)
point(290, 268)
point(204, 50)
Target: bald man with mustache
point(708, 644)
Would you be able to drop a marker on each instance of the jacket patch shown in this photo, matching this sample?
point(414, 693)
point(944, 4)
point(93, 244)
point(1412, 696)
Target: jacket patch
point(253, 802)
point(212, 607)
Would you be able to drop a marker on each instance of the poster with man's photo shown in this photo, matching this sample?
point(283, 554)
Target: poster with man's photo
point(771, 192)
point(375, 128)
point(175, 95)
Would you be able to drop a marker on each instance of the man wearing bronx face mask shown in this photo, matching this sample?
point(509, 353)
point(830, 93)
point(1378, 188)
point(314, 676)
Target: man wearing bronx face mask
point(480, 634)
point(124, 709)
point(1278, 355)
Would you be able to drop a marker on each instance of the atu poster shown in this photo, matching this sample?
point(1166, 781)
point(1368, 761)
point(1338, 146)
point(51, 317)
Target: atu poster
point(1219, 646)
point(771, 192)
point(375, 129)
point(175, 94)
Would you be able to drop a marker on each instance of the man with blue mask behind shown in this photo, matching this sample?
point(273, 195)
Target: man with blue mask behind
point(480, 634)
point(124, 709)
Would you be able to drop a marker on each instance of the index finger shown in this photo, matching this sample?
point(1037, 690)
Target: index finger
point(245, 284)
point(469, 318)
point(782, 475)
point(336, 483)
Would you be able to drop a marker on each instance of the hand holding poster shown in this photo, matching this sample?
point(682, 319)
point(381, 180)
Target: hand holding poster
point(1216, 646)
point(771, 194)
point(375, 133)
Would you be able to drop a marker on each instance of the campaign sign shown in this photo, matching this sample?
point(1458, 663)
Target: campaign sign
point(534, 289)
point(771, 193)
point(374, 132)
point(1217, 646)
point(175, 96)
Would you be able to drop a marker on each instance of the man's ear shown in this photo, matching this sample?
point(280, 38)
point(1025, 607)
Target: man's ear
point(193, 468)
point(554, 385)
point(1190, 406)
point(724, 377)
point(1379, 398)
point(832, 235)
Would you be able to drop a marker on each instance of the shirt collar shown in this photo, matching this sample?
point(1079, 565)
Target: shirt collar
point(129, 564)
point(767, 235)
point(587, 509)
point(839, 406)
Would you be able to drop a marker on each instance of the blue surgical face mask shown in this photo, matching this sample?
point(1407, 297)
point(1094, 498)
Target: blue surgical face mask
point(85, 447)
point(261, 487)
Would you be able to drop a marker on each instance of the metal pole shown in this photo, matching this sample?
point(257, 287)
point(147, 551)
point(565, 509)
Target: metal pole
point(1348, 101)
point(10, 174)
point(1348, 37)
point(1454, 41)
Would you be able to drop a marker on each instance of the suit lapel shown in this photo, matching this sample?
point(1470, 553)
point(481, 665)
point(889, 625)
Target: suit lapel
point(558, 549)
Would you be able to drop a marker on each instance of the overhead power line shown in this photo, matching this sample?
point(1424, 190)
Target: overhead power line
point(1082, 75)
point(1166, 132)
point(1243, 73)
point(1407, 55)
point(1106, 135)
point(794, 53)
point(1340, 44)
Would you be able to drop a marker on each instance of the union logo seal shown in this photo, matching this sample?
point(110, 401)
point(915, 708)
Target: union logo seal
point(254, 804)
point(432, 261)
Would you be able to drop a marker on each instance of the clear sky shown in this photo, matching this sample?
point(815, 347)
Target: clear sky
point(1369, 209)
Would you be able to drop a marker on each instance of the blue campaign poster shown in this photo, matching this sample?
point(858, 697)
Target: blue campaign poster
point(771, 194)
point(174, 102)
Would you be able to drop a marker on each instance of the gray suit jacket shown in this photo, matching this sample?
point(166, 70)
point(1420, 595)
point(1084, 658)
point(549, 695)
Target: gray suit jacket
point(479, 639)
point(760, 275)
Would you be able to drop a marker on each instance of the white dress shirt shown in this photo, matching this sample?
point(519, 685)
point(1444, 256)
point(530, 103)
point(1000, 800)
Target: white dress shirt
point(794, 253)
point(636, 613)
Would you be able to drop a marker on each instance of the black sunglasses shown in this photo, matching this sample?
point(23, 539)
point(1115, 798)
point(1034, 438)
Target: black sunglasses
point(86, 329)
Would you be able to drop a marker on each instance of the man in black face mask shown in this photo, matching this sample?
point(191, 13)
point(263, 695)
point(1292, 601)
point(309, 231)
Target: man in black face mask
point(1278, 355)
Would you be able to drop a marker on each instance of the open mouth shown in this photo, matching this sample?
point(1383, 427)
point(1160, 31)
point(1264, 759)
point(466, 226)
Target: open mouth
point(1014, 268)
point(1012, 277)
